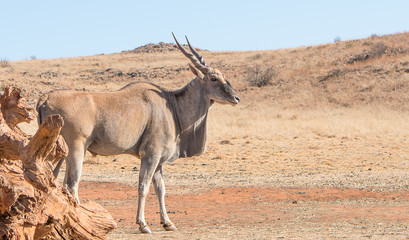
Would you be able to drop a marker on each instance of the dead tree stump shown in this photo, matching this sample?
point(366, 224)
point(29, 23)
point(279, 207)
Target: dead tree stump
point(32, 204)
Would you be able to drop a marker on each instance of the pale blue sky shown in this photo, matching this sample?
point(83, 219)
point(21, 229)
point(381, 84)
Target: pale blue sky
point(54, 29)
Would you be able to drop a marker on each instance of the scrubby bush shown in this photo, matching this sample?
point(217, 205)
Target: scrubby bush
point(4, 63)
point(337, 39)
point(260, 76)
point(378, 50)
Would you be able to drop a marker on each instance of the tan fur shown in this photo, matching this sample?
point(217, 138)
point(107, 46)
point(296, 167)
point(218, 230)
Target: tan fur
point(141, 119)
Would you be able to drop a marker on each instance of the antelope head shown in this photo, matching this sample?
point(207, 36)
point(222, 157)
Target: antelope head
point(213, 81)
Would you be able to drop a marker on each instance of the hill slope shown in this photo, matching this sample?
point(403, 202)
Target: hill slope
point(372, 71)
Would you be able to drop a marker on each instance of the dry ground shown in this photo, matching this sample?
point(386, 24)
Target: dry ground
point(346, 177)
point(319, 154)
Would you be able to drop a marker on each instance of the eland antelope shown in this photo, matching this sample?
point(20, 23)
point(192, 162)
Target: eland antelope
point(142, 119)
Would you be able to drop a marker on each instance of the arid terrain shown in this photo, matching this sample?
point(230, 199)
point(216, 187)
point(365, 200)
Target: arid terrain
point(320, 152)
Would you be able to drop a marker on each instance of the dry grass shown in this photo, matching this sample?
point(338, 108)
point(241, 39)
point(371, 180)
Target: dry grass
point(341, 122)
point(305, 77)
point(334, 116)
point(315, 90)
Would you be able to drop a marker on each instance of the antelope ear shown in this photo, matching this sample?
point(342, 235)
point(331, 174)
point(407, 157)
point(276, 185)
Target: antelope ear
point(196, 72)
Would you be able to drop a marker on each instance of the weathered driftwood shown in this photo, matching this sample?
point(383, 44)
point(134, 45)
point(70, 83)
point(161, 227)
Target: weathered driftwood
point(32, 204)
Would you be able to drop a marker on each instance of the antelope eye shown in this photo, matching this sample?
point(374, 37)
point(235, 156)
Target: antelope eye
point(214, 79)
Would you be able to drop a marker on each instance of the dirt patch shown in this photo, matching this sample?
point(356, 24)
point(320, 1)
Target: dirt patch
point(247, 210)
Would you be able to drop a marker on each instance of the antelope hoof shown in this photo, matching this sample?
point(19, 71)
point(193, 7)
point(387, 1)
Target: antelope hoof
point(171, 227)
point(145, 229)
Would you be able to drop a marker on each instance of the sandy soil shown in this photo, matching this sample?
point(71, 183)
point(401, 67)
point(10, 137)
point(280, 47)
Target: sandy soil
point(322, 187)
